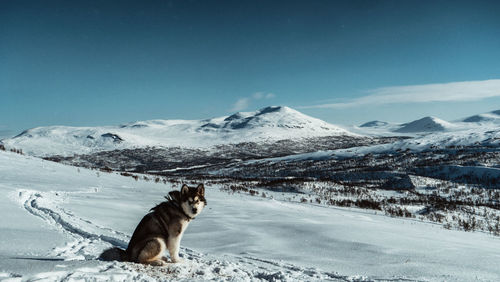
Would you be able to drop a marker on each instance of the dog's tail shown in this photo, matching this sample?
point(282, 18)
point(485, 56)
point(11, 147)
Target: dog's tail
point(114, 253)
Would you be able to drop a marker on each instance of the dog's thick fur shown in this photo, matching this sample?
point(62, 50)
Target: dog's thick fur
point(162, 229)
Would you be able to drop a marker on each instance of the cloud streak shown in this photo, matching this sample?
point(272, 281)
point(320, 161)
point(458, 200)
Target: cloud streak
point(438, 92)
point(243, 103)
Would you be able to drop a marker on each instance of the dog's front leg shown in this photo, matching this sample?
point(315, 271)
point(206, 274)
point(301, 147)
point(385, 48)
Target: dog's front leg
point(173, 248)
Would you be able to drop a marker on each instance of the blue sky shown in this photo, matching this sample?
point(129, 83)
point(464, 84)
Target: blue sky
point(347, 62)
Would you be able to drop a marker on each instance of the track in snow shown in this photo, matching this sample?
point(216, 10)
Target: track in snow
point(85, 242)
point(90, 239)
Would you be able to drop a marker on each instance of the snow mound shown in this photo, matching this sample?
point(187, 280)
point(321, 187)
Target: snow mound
point(267, 124)
point(374, 123)
point(493, 116)
point(426, 124)
point(271, 117)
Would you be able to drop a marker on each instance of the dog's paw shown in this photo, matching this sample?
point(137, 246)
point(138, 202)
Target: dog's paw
point(158, 263)
point(177, 260)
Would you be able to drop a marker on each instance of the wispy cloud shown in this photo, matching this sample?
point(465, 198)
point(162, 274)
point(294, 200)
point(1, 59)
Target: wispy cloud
point(244, 103)
point(241, 104)
point(439, 92)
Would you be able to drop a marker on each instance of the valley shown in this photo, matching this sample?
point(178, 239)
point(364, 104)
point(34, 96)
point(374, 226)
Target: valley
point(432, 170)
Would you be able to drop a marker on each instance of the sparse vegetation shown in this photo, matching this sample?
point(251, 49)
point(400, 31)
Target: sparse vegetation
point(13, 150)
point(455, 206)
point(454, 186)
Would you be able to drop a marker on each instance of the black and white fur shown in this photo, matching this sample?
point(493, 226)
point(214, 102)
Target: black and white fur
point(162, 228)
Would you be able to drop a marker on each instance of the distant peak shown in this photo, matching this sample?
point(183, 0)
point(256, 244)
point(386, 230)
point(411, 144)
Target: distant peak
point(429, 118)
point(235, 116)
point(425, 124)
point(432, 119)
point(374, 123)
point(24, 133)
point(271, 109)
point(486, 117)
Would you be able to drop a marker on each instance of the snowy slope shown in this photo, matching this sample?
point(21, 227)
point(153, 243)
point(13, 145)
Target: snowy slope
point(431, 132)
point(426, 124)
point(376, 128)
point(481, 136)
point(374, 123)
point(491, 117)
point(57, 219)
point(271, 123)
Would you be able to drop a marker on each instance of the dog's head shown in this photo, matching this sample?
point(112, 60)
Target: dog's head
point(193, 199)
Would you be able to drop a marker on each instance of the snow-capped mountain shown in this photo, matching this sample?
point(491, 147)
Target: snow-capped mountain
point(376, 128)
point(432, 132)
point(426, 124)
point(267, 124)
point(493, 116)
point(374, 123)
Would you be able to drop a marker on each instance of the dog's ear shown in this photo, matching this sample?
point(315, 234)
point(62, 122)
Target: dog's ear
point(201, 190)
point(184, 190)
point(174, 195)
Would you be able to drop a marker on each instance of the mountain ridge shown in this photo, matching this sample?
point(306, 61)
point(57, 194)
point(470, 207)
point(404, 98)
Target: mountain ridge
point(270, 123)
point(425, 124)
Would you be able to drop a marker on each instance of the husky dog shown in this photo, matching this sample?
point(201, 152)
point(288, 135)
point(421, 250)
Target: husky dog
point(162, 228)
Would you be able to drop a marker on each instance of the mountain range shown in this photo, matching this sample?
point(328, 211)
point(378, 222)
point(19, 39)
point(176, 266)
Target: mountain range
point(269, 124)
point(435, 124)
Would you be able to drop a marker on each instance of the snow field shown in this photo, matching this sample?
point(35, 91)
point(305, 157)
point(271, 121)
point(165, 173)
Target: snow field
point(59, 218)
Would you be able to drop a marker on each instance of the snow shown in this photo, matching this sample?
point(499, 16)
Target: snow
point(376, 128)
point(429, 125)
point(491, 117)
point(426, 124)
point(268, 124)
point(59, 218)
point(426, 133)
point(374, 123)
point(485, 135)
